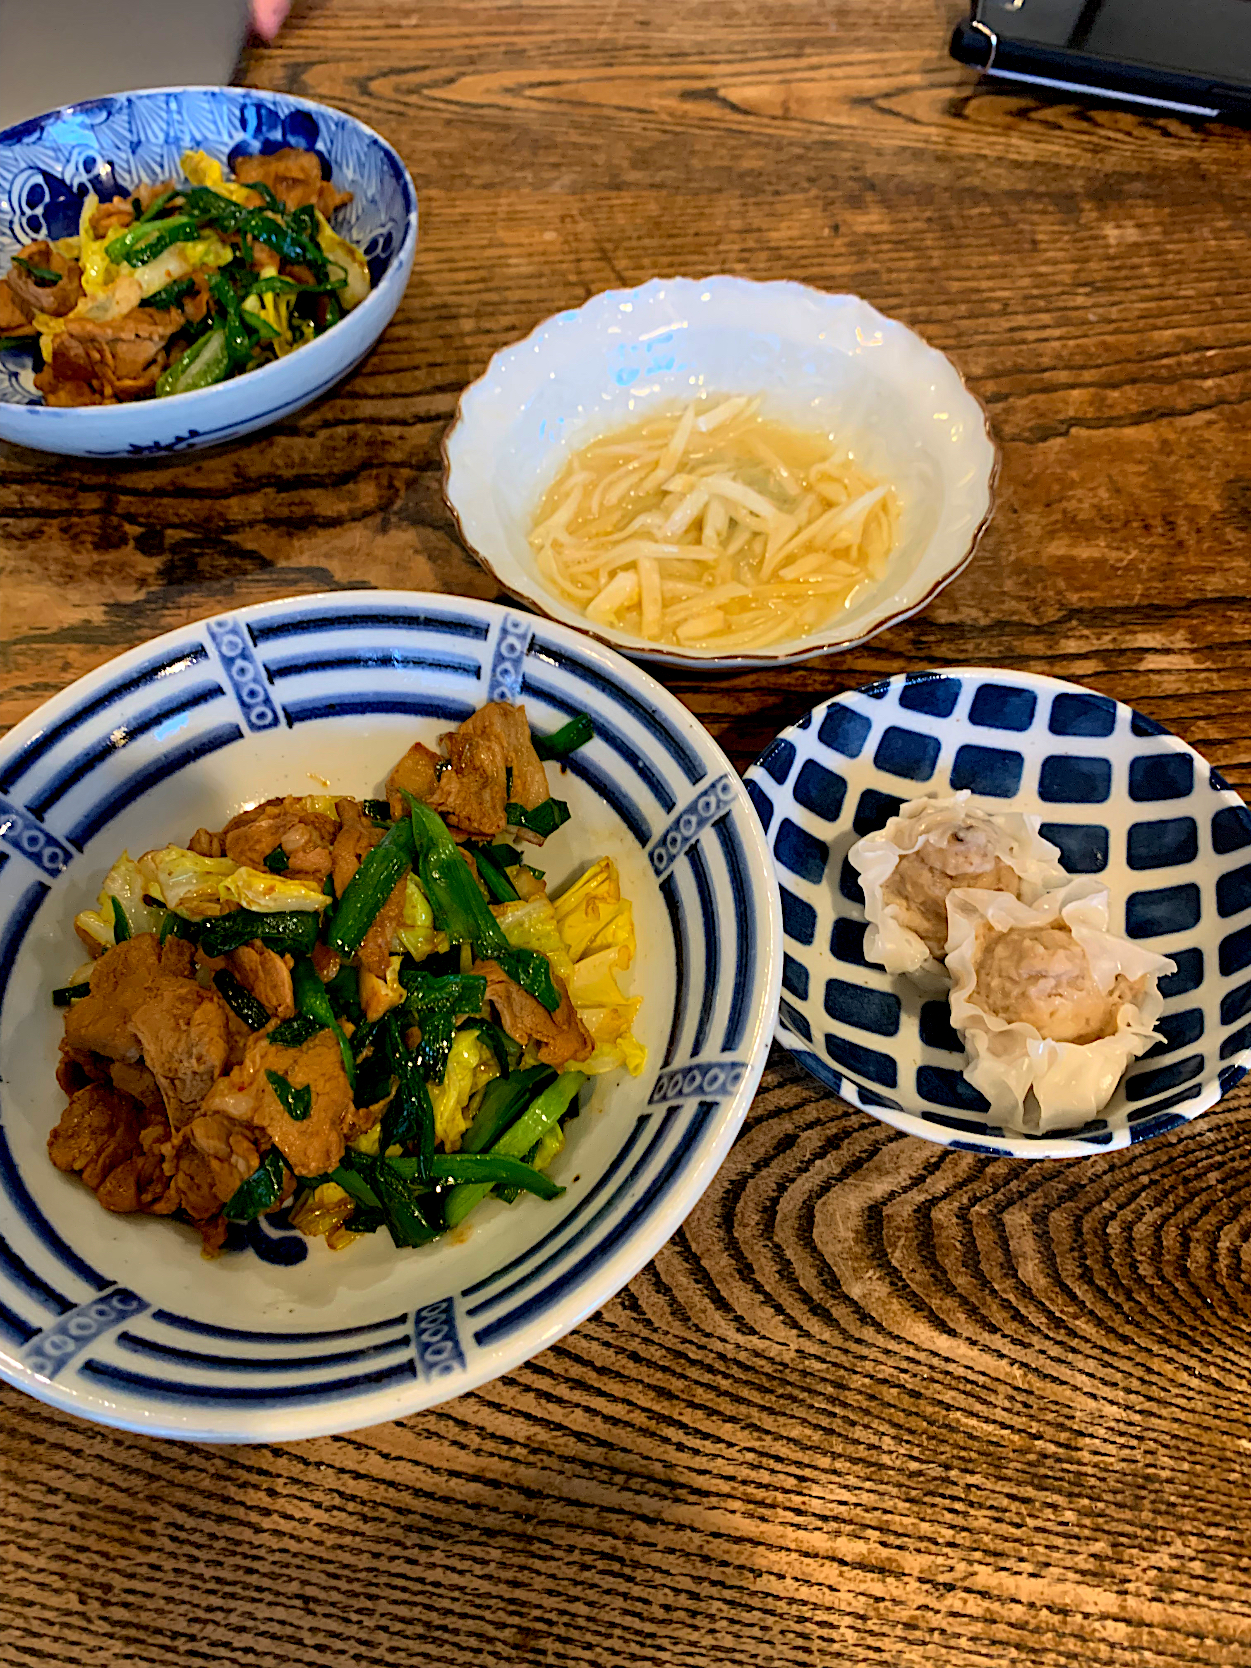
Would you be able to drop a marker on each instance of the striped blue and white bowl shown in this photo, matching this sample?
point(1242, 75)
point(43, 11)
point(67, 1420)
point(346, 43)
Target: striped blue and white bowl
point(119, 1318)
point(49, 164)
point(1123, 800)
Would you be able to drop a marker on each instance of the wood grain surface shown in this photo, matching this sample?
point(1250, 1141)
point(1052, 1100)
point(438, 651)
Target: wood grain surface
point(875, 1404)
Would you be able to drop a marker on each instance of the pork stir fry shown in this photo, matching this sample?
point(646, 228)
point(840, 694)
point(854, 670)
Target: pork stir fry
point(182, 284)
point(369, 1013)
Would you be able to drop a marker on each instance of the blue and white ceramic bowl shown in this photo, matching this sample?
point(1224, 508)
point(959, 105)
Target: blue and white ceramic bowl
point(118, 1318)
point(1123, 799)
point(49, 165)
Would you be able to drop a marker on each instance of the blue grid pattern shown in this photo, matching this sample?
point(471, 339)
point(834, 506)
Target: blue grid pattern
point(83, 1338)
point(1121, 798)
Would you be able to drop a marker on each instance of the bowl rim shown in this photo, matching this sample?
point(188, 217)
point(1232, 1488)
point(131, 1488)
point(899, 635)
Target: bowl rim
point(495, 1360)
point(669, 654)
point(1057, 1144)
point(117, 414)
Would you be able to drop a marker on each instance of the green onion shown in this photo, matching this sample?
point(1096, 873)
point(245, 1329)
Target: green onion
point(576, 733)
point(238, 342)
point(436, 1001)
point(121, 926)
point(155, 206)
point(533, 972)
point(459, 908)
point(285, 241)
point(516, 1142)
point(294, 930)
point(263, 328)
point(312, 1000)
point(267, 196)
point(409, 1118)
point(506, 1050)
point(210, 208)
point(260, 1192)
point(449, 993)
point(296, 1103)
point(491, 1169)
point(254, 1014)
point(294, 1033)
point(201, 366)
point(277, 862)
point(171, 295)
point(177, 926)
point(370, 887)
point(375, 1081)
point(343, 992)
point(388, 1192)
point(63, 995)
point(43, 275)
point(30, 341)
point(275, 284)
point(543, 820)
point(491, 871)
point(153, 240)
point(503, 1101)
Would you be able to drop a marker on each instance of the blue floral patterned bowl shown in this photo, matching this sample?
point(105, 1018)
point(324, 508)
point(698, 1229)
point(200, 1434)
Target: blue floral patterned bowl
point(50, 164)
point(1124, 801)
point(118, 1318)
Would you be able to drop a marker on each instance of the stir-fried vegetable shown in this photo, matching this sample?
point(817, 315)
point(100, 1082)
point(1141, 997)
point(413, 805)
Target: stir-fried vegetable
point(380, 1058)
point(576, 733)
point(542, 1114)
point(254, 1014)
point(295, 932)
point(260, 1192)
point(544, 819)
point(409, 1119)
point(214, 278)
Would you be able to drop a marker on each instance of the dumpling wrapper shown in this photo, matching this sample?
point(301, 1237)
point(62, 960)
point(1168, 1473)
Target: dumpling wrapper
point(952, 842)
point(1074, 981)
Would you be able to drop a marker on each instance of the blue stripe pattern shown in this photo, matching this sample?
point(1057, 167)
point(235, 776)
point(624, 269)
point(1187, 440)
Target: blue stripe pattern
point(661, 1184)
point(111, 694)
point(166, 713)
point(54, 787)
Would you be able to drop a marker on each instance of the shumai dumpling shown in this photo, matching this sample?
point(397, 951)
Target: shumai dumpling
point(1050, 1004)
point(933, 845)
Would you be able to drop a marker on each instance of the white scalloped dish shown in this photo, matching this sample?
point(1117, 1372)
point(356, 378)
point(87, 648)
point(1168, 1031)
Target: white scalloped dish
point(818, 361)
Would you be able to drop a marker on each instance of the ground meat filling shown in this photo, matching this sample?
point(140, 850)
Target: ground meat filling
point(1041, 976)
point(918, 888)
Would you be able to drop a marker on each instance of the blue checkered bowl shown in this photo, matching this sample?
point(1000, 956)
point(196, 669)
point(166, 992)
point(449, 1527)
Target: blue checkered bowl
point(49, 164)
point(1123, 800)
point(118, 1318)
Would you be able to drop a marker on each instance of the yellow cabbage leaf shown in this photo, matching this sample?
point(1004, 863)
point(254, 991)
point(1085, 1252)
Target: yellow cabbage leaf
point(258, 889)
point(470, 1067)
point(596, 925)
point(186, 882)
point(125, 882)
point(349, 257)
point(202, 169)
point(180, 260)
point(98, 270)
point(417, 934)
point(592, 914)
point(531, 925)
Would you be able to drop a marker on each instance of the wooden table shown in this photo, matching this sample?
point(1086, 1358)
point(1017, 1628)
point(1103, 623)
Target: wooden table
point(874, 1404)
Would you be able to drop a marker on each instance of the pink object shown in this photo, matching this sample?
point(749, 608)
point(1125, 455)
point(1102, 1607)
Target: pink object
point(268, 15)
